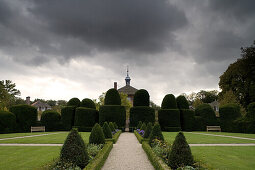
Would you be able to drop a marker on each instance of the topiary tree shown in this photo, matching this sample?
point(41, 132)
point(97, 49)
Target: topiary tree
point(180, 154)
point(139, 125)
point(251, 112)
point(88, 103)
point(143, 127)
point(7, 122)
point(148, 130)
point(51, 120)
point(97, 135)
point(169, 102)
point(107, 131)
point(156, 133)
point(26, 116)
point(74, 102)
point(141, 98)
point(74, 150)
point(182, 102)
point(207, 114)
point(112, 97)
point(115, 125)
point(111, 125)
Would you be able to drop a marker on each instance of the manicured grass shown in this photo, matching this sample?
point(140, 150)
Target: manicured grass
point(48, 139)
point(221, 157)
point(11, 135)
point(243, 135)
point(205, 139)
point(24, 157)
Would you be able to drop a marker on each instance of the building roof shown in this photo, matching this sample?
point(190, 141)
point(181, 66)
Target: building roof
point(127, 90)
point(40, 104)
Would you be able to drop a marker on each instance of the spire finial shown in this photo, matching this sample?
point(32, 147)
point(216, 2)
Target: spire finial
point(127, 78)
point(127, 71)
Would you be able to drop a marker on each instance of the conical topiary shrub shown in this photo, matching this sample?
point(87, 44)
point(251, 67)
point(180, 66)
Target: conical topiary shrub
point(180, 154)
point(139, 125)
point(156, 133)
point(74, 150)
point(115, 125)
point(148, 130)
point(97, 135)
point(111, 126)
point(143, 127)
point(107, 131)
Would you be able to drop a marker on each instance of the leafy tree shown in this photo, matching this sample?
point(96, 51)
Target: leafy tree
point(61, 102)
point(154, 106)
point(207, 96)
point(196, 103)
point(240, 77)
point(51, 102)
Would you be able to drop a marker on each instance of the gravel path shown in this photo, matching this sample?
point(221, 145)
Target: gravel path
point(127, 154)
point(221, 135)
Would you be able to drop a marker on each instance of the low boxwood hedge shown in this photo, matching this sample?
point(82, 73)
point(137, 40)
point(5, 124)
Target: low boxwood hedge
point(169, 118)
point(112, 113)
point(115, 137)
point(138, 136)
point(141, 113)
point(98, 161)
point(157, 162)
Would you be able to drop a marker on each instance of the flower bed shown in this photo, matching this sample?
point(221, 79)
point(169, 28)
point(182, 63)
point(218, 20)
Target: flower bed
point(138, 133)
point(115, 137)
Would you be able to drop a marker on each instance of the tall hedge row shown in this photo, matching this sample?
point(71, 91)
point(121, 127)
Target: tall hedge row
point(88, 103)
point(112, 97)
point(85, 118)
point(26, 117)
point(182, 102)
point(51, 120)
point(169, 102)
point(207, 114)
point(187, 118)
point(141, 113)
point(141, 98)
point(67, 117)
point(112, 113)
point(74, 102)
point(228, 113)
point(169, 119)
point(7, 122)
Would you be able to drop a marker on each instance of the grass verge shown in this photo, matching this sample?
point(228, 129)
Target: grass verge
point(99, 160)
point(157, 163)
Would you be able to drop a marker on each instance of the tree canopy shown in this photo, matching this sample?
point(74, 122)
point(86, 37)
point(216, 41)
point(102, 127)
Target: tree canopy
point(240, 77)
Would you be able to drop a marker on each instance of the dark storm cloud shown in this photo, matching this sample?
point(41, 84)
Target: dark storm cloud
point(136, 25)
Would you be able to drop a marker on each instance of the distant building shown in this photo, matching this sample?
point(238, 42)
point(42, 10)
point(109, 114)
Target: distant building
point(215, 105)
point(128, 89)
point(40, 106)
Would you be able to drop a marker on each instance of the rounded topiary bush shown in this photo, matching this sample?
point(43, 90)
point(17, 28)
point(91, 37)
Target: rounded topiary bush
point(97, 135)
point(50, 119)
point(156, 133)
point(139, 125)
point(141, 113)
point(7, 122)
point(228, 113)
point(107, 131)
point(88, 103)
point(169, 102)
point(74, 150)
point(85, 118)
point(182, 102)
point(180, 154)
point(26, 117)
point(67, 117)
point(143, 127)
point(112, 97)
point(111, 125)
point(74, 102)
point(148, 130)
point(206, 112)
point(251, 112)
point(141, 98)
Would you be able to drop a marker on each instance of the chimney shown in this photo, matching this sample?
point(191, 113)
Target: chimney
point(115, 85)
point(28, 100)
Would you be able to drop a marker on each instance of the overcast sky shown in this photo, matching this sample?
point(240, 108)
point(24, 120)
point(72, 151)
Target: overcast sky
point(59, 49)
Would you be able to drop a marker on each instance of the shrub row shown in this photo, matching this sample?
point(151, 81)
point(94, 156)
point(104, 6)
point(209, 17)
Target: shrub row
point(112, 113)
point(141, 113)
point(51, 120)
point(169, 118)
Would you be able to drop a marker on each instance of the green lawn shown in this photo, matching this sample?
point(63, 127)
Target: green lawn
point(11, 135)
point(221, 157)
point(205, 139)
point(26, 157)
point(48, 139)
point(243, 135)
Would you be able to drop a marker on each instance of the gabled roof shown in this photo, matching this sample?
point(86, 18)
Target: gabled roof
point(127, 90)
point(40, 104)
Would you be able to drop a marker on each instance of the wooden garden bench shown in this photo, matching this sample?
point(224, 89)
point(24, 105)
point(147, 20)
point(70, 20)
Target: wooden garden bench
point(213, 128)
point(37, 129)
